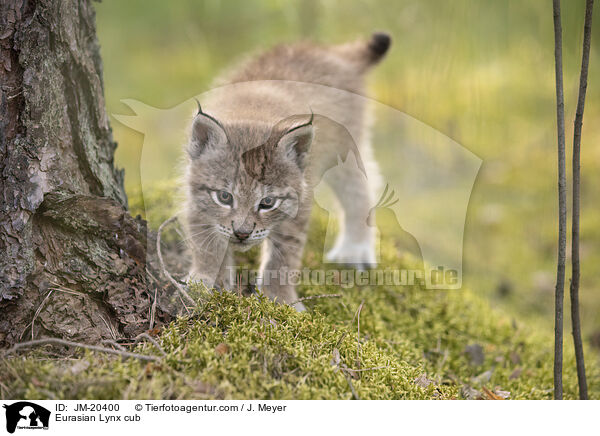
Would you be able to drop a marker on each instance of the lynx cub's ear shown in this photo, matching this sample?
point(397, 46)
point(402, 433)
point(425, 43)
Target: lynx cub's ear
point(296, 141)
point(207, 132)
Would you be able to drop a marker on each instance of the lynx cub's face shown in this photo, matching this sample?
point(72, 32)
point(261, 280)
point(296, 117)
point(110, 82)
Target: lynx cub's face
point(244, 179)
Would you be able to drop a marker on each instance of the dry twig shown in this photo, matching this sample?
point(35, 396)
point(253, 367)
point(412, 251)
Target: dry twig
point(182, 292)
point(349, 380)
point(57, 341)
point(562, 206)
point(36, 314)
point(358, 333)
point(150, 339)
point(57, 287)
point(155, 302)
point(114, 344)
point(575, 266)
point(314, 297)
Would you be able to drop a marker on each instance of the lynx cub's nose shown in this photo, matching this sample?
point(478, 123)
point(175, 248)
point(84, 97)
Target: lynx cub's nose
point(242, 236)
point(242, 233)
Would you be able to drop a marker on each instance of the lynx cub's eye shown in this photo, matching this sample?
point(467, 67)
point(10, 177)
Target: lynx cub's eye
point(268, 203)
point(222, 198)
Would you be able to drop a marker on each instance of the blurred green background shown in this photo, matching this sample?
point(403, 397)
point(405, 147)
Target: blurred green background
point(479, 71)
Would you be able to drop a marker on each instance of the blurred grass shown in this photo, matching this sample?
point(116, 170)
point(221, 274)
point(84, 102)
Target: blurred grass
point(480, 71)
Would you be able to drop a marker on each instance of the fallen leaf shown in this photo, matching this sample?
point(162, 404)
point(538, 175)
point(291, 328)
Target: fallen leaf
point(154, 332)
point(149, 369)
point(222, 349)
point(36, 382)
point(352, 373)
point(490, 395)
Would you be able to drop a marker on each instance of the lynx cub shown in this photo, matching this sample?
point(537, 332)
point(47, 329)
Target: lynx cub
point(256, 152)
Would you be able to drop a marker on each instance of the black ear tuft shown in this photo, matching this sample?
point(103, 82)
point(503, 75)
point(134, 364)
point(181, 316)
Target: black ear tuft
point(296, 142)
point(206, 132)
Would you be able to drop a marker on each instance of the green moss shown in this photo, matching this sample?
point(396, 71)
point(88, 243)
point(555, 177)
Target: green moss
point(249, 347)
point(272, 352)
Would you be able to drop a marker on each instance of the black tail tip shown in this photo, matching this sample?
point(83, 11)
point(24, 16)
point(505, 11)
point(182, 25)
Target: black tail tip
point(379, 45)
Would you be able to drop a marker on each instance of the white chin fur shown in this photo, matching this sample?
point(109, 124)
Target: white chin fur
point(237, 246)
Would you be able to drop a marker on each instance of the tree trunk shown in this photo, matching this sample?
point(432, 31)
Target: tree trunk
point(72, 260)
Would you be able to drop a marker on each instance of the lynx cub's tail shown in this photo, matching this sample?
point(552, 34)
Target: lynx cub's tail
point(366, 53)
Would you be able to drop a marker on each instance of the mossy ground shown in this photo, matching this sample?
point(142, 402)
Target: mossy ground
point(413, 344)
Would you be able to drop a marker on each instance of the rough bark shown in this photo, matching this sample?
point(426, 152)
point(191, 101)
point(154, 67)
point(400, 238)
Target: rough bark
point(65, 232)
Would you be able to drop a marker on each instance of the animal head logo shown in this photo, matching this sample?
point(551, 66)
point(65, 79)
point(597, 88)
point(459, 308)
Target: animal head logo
point(26, 415)
point(428, 176)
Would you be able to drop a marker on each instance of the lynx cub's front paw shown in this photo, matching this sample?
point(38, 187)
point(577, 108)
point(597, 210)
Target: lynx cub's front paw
point(210, 282)
point(299, 307)
point(359, 254)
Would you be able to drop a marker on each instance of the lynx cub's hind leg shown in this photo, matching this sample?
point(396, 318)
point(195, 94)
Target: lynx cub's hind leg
point(355, 244)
